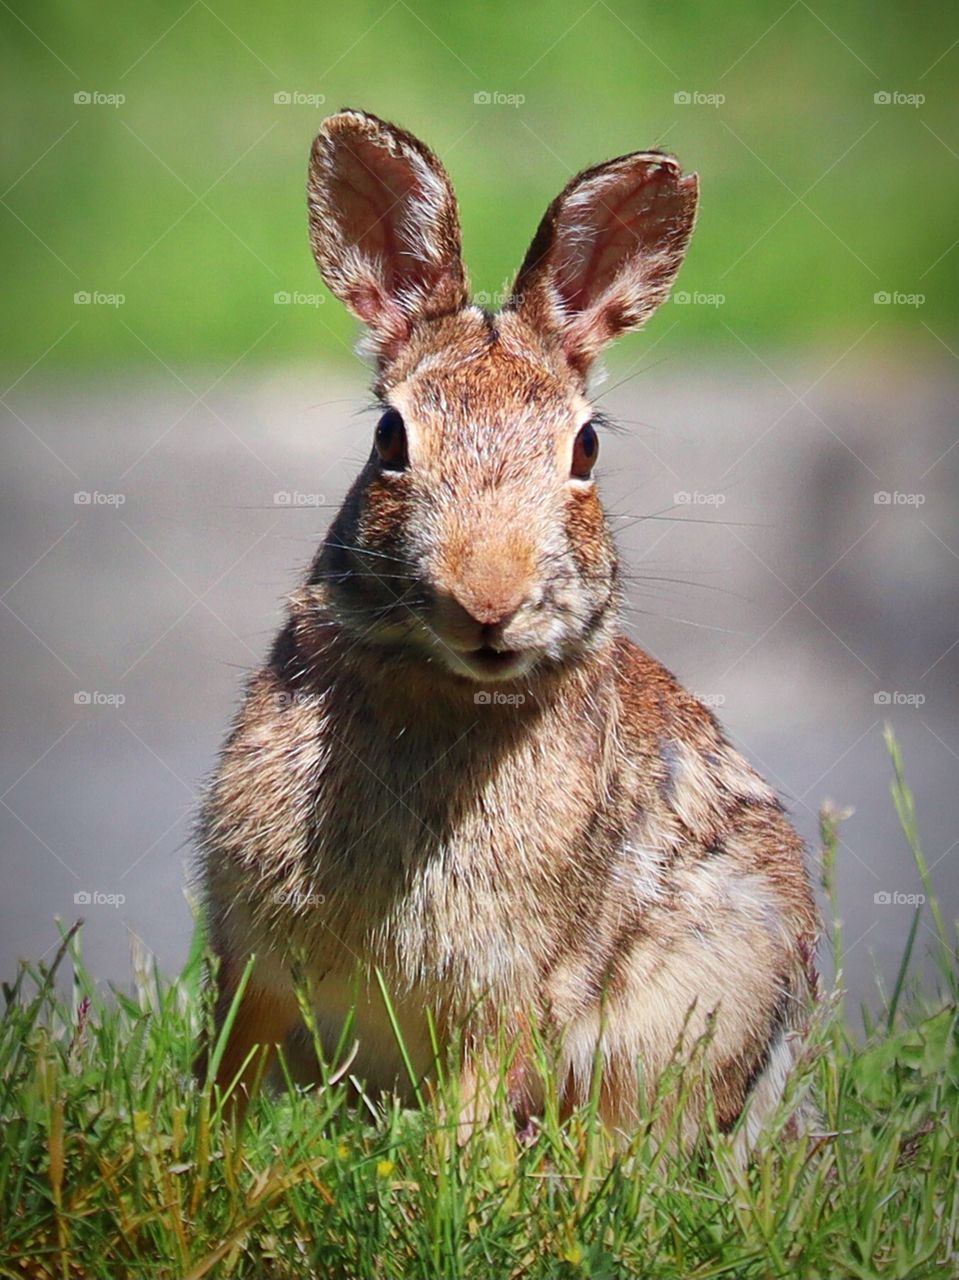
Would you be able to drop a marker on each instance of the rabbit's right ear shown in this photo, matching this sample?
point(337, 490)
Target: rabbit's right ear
point(606, 253)
point(384, 227)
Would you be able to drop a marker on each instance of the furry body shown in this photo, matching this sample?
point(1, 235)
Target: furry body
point(454, 768)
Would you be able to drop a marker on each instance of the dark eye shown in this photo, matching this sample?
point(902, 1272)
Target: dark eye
point(585, 452)
point(390, 441)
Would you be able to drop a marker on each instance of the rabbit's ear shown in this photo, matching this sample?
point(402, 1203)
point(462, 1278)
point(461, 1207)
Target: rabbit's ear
point(607, 252)
point(384, 227)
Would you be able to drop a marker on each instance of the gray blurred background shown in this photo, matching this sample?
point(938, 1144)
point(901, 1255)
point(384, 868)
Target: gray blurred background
point(806, 612)
point(181, 408)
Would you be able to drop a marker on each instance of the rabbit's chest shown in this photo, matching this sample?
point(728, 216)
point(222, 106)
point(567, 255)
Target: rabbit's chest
point(436, 867)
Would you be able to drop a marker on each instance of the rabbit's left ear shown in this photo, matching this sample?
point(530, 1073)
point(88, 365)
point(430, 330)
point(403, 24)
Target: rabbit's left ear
point(384, 227)
point(607, 252)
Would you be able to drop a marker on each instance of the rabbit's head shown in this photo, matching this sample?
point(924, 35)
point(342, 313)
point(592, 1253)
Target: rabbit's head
point(474, 536)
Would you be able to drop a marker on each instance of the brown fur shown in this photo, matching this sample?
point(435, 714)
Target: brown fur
point(579, 842)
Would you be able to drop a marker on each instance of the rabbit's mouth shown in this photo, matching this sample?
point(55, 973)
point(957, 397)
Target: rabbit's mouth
point(486, 658)
point(489, 663)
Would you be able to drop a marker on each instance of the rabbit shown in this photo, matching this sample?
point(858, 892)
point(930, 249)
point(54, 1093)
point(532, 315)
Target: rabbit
point(455, 776)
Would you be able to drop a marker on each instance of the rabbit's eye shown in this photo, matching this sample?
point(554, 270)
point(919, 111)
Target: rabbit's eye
point(391, 441)
point(585, 452)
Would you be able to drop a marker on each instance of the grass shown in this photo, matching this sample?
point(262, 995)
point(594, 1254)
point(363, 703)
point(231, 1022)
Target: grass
point(114, 1163)
point(188, 198)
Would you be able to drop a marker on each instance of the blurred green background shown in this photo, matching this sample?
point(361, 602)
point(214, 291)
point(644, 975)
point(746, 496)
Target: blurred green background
point(187, 197)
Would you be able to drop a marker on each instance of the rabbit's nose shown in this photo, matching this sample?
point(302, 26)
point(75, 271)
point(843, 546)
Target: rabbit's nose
point(490, 609)
point(475, 615)
point(487, 580)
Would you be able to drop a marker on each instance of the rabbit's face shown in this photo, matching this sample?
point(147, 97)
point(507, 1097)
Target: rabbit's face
point(475, 537)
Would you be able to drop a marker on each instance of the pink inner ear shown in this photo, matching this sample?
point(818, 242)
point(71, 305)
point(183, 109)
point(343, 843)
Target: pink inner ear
point(610, 222)
point(373, 191)
point(384, 228)
point(368, 302)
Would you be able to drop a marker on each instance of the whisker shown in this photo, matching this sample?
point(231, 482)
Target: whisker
point(343, 575)
point(324, 404)
point(629, 377)
point(720, 524)
point(701, 626)
point(365, 551)
point(281, 506)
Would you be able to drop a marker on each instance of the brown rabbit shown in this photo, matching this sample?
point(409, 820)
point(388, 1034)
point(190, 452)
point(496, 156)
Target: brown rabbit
point(454, 768)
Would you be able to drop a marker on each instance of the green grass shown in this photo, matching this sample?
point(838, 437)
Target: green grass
point(188, 198)
point(113, 1163)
